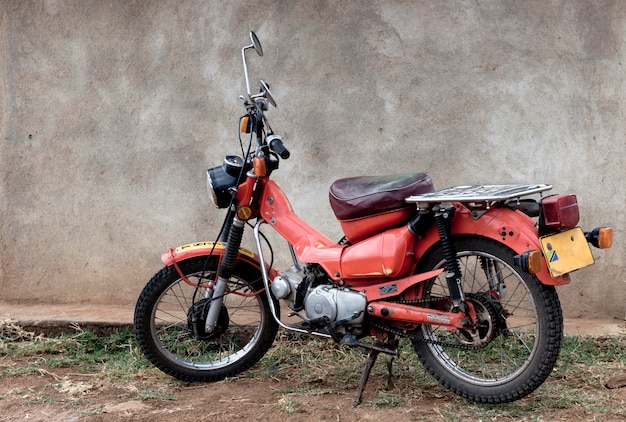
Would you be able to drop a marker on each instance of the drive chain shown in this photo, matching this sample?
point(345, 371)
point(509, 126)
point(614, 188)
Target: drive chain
point(413, 336)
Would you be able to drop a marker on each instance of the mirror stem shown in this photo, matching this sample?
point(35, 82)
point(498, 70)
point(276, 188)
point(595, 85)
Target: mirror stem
point(245, 68)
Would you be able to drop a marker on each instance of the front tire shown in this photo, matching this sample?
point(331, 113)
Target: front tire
point(522, 326)
point(169, 323)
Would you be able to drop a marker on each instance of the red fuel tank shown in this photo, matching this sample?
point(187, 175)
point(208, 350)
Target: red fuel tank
point(387, 254)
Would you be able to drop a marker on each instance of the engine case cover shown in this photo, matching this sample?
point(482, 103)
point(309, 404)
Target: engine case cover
point(335, 304)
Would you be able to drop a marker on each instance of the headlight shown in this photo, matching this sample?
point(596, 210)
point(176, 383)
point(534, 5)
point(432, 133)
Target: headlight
point(221, 179)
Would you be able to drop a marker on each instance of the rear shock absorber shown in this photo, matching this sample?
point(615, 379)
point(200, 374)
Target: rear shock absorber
point(443, 215)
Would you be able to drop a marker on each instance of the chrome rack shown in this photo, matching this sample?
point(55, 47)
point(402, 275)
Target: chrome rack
point(477, 193)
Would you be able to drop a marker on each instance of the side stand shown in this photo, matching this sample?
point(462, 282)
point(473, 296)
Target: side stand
point(391, 344)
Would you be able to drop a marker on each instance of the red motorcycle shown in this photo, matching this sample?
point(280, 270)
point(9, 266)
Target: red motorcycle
point(466, 274)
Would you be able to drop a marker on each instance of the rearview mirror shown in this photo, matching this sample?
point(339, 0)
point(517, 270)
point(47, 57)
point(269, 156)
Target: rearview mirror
point(256, 44)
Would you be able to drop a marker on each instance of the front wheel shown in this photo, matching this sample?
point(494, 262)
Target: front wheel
point(518, 338)
point(170, 314)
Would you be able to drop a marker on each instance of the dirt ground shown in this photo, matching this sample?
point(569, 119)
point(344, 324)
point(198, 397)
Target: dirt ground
point(76, 394)
point(34, 398)
point(69, 394)
point(62, 395)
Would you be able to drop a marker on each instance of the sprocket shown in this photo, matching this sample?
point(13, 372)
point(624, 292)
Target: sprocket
point(491, 323)
point(487, 327)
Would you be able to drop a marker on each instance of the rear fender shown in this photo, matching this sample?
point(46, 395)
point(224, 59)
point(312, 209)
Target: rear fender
point(511, 228)
point(192, 250)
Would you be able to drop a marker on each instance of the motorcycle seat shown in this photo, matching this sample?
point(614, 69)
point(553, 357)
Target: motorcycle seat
point(357, 197)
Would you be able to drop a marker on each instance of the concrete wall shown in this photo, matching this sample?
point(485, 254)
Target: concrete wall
point(111, 111)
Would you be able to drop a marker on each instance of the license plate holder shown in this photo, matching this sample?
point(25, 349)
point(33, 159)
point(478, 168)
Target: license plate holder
point(566, 251)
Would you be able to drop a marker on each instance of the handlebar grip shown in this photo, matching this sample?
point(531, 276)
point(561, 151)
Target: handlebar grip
point(276, 144)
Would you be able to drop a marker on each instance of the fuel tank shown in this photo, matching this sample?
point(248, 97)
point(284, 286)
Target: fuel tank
point(388, 254)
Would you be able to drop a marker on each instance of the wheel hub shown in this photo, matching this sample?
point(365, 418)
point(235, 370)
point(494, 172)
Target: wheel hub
point(487, 325)
point(196, 320)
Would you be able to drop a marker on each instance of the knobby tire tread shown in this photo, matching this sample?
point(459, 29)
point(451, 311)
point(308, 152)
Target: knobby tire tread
point(166, 277)
point(551, 331)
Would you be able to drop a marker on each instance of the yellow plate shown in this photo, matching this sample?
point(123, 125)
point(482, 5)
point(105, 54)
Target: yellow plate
point(566, 251)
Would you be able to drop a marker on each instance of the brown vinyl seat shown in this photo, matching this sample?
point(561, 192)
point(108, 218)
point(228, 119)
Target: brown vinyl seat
point(357, 197)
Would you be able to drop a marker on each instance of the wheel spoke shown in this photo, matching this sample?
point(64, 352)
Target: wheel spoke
point(519, 322)
point(171, 315)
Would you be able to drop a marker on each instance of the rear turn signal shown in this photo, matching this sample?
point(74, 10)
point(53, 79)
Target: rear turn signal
point(529, 261)
point(601, 237)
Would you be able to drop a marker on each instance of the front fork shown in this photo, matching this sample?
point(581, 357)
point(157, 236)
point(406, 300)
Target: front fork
point(235, 235)
point(443, 216)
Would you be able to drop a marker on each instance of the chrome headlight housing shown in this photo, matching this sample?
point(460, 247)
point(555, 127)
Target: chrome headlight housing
point(221, 179)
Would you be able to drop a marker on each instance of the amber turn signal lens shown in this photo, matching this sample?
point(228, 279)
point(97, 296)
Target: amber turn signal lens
point(534, 262)
point(260, 168)
point(244, 213)
point(529, 261)
point(600, 237)
point(605, 238)
point(245, 124)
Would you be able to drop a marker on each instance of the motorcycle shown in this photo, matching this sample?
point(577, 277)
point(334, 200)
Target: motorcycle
point(466, 274)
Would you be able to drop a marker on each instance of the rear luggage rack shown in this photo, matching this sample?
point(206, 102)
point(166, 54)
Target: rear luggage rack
point(477, 193)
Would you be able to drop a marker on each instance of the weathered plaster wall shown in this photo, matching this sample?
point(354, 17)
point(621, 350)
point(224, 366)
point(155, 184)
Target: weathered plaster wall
point(112, 110)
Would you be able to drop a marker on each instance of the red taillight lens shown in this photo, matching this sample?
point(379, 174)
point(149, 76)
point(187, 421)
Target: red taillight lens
point(560, 212)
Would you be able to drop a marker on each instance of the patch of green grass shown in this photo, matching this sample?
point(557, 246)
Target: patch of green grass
point(116, 354)
point(150, 394)
point(289, 405)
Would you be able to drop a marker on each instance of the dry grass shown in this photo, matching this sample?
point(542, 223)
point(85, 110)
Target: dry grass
point(309, 367)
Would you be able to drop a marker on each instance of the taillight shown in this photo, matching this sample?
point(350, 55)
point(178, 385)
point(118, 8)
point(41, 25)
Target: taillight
point(560, 212)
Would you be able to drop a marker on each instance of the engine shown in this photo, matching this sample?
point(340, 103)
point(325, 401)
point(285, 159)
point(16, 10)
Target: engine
point(336, 304)
point(323, 300)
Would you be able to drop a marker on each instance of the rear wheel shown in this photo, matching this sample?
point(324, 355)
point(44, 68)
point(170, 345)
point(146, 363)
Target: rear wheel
point(170, 315)
point(518, 338)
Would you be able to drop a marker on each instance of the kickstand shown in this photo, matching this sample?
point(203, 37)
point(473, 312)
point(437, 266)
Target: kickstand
point(392, 344)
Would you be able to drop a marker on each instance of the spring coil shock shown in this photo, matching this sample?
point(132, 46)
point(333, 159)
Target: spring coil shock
point(225, 271)
point(453, 270)
point(232, 249)
point(227, 225)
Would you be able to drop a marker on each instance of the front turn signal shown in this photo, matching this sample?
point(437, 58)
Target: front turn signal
point(601, 237)
point(260, 167)
point(529, 261)
point(244, 213)
point(244, 124)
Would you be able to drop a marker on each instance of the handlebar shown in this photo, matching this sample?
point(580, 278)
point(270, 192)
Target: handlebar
point(256, 104)
point(276, 144)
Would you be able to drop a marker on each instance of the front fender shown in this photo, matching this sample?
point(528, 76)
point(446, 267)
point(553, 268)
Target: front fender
point(192, 250)
point(511, 228)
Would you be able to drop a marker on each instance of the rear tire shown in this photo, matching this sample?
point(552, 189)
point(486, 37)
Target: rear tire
point(524, 317)
point(170, 332)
